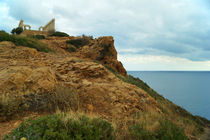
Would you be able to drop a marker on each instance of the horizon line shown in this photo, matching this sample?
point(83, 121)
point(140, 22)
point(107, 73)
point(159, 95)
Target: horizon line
point(173, 70)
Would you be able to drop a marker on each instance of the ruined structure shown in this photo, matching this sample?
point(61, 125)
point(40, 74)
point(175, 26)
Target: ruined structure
point(24, 25)
point(48, 28)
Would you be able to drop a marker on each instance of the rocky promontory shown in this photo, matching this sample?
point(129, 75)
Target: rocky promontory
point(82, 74)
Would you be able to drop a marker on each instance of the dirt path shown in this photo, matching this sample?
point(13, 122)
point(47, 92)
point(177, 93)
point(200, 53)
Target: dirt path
point(6, 127)
point(206, 135)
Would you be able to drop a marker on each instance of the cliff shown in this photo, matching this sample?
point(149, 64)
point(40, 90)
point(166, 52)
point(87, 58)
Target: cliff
point(97, 81)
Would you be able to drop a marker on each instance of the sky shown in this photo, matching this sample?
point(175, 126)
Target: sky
point(149, 34)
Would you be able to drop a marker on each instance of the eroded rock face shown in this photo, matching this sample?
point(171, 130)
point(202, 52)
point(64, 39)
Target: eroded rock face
point(40, 80)
point(13, 78)
point(99, 90)
point(103, 50)
point(23, 78)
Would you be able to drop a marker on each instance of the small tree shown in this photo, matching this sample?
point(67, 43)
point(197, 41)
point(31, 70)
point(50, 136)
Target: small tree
point(17, 30)
point(13, 31)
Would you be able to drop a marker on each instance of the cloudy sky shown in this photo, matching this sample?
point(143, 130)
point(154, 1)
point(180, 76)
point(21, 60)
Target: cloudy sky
point(149, 34)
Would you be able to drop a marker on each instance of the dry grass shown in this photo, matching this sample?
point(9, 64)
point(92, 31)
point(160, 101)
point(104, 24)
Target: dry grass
point(14, 105)
point(10, 106)
point(77, 114)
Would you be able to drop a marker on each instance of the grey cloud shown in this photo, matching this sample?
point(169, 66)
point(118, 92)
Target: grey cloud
point(177, 28)
point(35, 13)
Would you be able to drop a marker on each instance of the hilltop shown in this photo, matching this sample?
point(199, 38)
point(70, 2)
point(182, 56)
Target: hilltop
point(42, 75)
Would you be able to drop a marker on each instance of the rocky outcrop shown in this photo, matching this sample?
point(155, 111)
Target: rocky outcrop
point(103, 50)
point(99, 90)
point(40, 80)
point(36, 77)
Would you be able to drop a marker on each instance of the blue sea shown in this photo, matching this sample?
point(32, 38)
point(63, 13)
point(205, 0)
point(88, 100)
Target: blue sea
point(188, 89)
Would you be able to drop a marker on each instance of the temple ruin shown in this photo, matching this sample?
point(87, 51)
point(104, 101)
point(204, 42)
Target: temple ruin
point(24, 25)
point(48, 28)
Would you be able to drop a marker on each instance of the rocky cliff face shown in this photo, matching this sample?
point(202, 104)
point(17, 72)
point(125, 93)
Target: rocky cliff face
point(96, 76)
point(24, 70)
point(101, 49)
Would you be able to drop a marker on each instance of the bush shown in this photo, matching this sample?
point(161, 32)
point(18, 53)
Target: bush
point(71, 48)
point(167, 131)
point(138, 132)
point(10, 106)
point(5, 36)
point(2, 31)
point(61, 98)
point(59, 34)
point(25, 41)
point(64, 98)
point(170, 131)
point(80, 41)
point(37, 36)
point(59, 127)
point(17, 30)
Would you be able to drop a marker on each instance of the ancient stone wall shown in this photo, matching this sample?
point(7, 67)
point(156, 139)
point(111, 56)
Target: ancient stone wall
point(24, 26)
point(49, 27)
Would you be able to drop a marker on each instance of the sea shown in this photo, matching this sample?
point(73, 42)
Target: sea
point(188, 89)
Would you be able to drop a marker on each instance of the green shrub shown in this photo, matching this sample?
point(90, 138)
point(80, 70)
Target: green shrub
point(37, 36)
point(138, 132)
point(25, 41)
point(5, 36)
point(170, 131)
point(167, 131)
point(59, 34)
point(2, 31)
point(71, 48)
point(17, 30)
point(58, 127)
point(141, 84)
point(80, 41)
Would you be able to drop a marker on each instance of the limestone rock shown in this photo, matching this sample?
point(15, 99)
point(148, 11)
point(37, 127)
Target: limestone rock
point(6, 44)
point(41, 79)
point(13, 78)
point(103, 50)
point(100, 91)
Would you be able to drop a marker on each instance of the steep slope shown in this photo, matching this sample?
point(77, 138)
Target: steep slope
point(29, 79)
point(26, 70)
point(101, 49)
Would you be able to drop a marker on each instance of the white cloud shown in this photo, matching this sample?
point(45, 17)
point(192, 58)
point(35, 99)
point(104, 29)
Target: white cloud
point(178, 28)
point(151, 62)
point(6, 21)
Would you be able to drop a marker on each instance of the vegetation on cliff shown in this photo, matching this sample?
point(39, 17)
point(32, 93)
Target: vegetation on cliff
point(171, 110)
point(61, 98)
point(62, 127)
point(87, 79)
point(80, 41)
point(24, 41)
point(17, 30)
point(85, 127)
point(59, 34)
